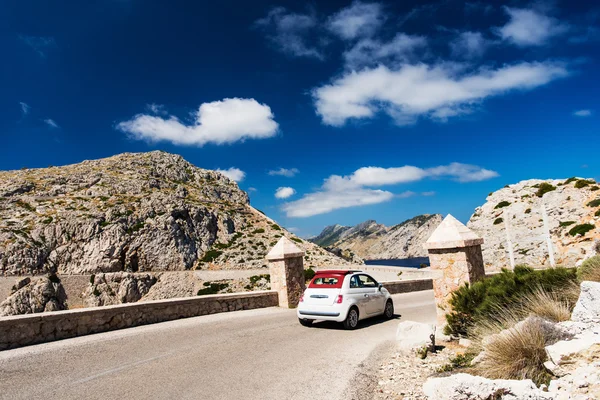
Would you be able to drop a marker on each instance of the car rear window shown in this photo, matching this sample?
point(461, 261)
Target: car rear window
point(329, 281)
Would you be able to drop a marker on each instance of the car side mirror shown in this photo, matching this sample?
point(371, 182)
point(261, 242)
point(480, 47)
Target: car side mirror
point(380, 286)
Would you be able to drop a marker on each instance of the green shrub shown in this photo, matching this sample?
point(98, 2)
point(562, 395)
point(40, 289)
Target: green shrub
point(212, 288)
point(470, 303)
point(255, 278)
point(581, 229)
point(566, 223)
point(594, 203)
point(498, 221)
point(528, 211)
point(544, 188)
point(276, 227)
point(25, 205)
point(309, 274)
point(581, 183)
point(459, 361)
point(211, 255)
point(597, 213)
point(259, 230)
point(589, 270)
point(297, 240)
point(47, 220)
point(594, 188)
point(502, 204)
point(572, 179)
point(92, 278)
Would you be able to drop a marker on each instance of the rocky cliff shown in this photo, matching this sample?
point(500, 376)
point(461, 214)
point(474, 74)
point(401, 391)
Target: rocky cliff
point(133, 212)
point(372, 241)
point(573, 211)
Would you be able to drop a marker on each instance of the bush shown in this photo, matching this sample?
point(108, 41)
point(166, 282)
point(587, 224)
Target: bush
point(471, 303)
point(212, 288)
point(297, 240)
point(566, 223)
point(581, 183)
point(581, 229)
point(460, 361)
point(276, 227)
point(589, 270)
point(597, 213)
point(544, 188)
point(211, 255)
point(572, 179)
point(309, 274)
point(259, 230)
point(594, 188)
point(498, 221)
point(594, 203)
point(502, 204)
point(528, 211)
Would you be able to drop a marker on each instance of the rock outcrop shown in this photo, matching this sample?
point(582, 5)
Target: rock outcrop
point(35, 295)
point(136, 213)
point(372, 241)
point(573, 211)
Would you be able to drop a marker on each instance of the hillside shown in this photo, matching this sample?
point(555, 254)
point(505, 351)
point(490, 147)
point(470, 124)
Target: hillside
point(573, 209)
point(133, 212)
point(372, 241)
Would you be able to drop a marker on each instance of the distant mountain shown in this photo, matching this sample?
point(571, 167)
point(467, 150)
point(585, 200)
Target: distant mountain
point(372, 241)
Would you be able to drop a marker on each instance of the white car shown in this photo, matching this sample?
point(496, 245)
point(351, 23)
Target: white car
point(344, 296)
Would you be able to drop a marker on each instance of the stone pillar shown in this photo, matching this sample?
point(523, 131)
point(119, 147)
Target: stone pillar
point(456, 258)
point(286, 266)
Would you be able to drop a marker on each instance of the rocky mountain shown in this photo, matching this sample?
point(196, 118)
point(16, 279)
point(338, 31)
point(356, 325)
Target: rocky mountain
point(573, 215)
point(372, 241)
point(136, 213)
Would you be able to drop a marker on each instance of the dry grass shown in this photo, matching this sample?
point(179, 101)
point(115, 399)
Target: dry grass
point(589, 270)
point(517, 353)
point(551, 306)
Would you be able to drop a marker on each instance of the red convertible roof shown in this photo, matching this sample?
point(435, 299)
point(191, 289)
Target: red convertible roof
point(336, 271)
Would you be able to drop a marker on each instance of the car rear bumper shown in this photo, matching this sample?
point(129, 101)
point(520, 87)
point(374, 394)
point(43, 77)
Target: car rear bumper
point(326, 313)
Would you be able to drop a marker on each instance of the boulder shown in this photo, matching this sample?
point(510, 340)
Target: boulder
point(587, 309)
point(412, 335)
point(468, 387)
point(34, 296)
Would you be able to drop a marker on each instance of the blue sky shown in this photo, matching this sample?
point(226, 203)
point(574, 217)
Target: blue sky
point(332, 112)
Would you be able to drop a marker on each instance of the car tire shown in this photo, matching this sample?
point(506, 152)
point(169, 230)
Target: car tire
point(305, 322)
point(351, 321)
point(388, 311)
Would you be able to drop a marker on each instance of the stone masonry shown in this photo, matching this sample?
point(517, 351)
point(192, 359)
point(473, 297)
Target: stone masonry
point(286, 266)
point(456, 258)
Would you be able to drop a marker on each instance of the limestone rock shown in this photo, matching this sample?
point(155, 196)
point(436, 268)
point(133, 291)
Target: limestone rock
point(468, 387)
point(412, 335)
point(566, 206)
point(117, 288)
point(34, 296)
point(372, 241)
point(587, 309)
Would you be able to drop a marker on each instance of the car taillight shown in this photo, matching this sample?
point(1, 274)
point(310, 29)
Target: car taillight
point(340, 299)
point(301, 298)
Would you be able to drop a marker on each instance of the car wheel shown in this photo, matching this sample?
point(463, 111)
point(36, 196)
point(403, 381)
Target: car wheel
point(305, 322)
point(351, 321)
point(388, 312)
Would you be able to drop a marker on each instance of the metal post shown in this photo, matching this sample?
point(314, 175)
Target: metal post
point(548, 239)
point(508, 241)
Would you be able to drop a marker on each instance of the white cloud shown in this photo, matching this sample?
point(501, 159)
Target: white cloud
point(357, 20)
point(354, 190)
point(438, 92)
point(427, 194)
point(469, 45)
point(528, 27)
point(284, 172)
point(252, 189)
point(51, 123)
point(235, 174)
point(284, 192)
point(290, 32)
point(24, 108)
point(156, 109)
point(582, 113)
point(401, 48)
point(40, 44)
point(218, 122)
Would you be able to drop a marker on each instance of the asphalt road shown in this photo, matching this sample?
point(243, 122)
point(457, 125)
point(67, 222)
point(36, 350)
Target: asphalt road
point(257, 354)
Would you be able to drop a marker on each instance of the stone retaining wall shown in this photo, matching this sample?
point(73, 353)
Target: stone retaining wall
point(23, 330)
point(395, 287)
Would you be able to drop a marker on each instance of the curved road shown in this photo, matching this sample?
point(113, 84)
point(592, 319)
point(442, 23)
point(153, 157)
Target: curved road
point(257, 354)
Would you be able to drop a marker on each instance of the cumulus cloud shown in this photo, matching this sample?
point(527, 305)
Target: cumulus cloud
point(438, 92)
point(357, 189)
point(218, 122)
point(289, 173)
point(235, 174)
point(582, 113)
point(357, 20)
point(528, 27)
point(469, 45)
point(290, 32)
point(24, 108)
point(40, 44)
point(284, 192)
point(51, 123)
point(368, 52)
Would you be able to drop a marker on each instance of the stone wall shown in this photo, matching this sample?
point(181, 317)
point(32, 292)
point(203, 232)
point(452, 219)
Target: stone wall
point(23, 330)
point(396, 287)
